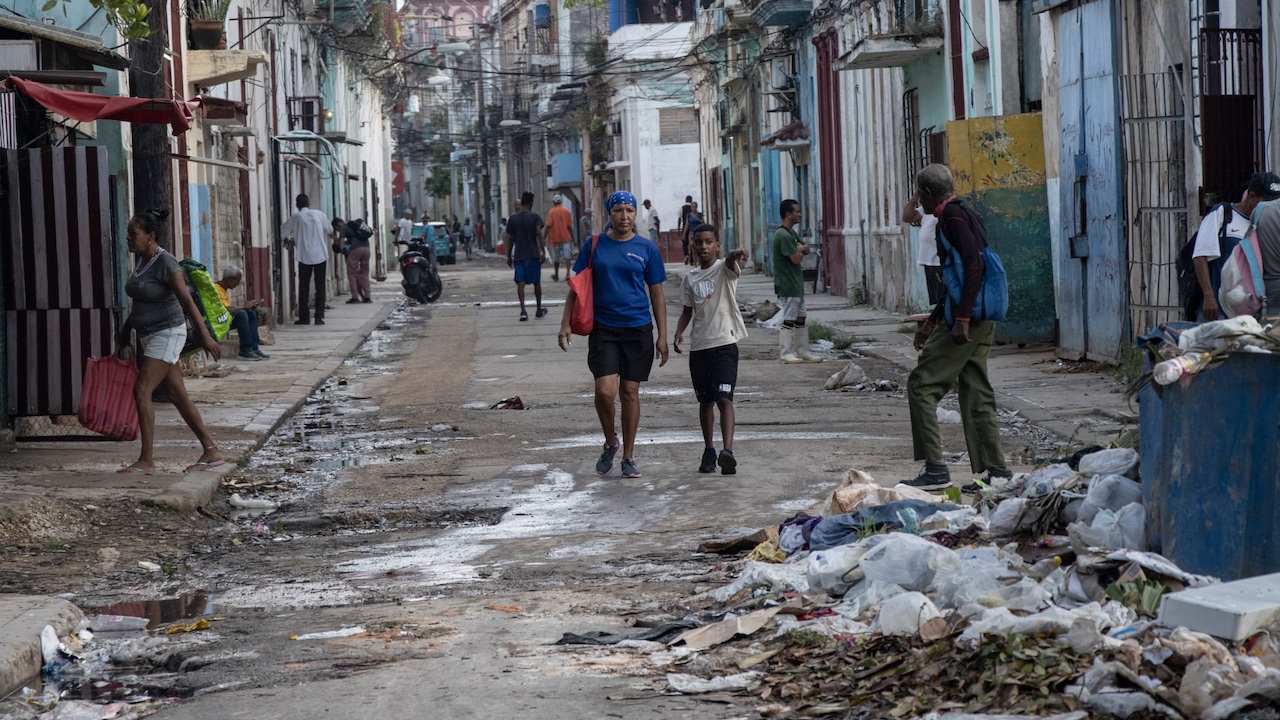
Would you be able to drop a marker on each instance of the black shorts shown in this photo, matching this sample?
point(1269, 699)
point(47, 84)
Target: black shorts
point(626, 352)
point(714, 372)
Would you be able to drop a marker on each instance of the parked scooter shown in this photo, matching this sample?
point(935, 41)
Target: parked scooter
point(420, 276)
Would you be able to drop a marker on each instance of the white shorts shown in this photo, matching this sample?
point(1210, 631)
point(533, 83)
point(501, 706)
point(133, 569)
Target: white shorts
point(165, 345)
point(562, 252)
point(791, 307)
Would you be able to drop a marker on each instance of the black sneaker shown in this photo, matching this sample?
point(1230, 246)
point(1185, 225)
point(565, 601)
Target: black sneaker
point(993, 474)
point(261, 355)
point(728, 463)
point(319, 322)
point(708, 461)
point(629, 469)
point(248, 355)
point(930, 480)
point(605, 463)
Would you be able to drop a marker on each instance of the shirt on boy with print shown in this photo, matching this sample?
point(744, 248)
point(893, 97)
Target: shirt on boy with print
point(712, 293)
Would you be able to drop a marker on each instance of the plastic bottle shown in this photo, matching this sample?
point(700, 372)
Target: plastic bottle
point(1169, 371)
point(1042, 568)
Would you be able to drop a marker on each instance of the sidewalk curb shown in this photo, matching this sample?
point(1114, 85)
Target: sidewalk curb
point(22, 617)
point(195, 490)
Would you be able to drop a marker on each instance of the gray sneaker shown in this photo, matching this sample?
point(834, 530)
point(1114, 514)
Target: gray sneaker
point(605, 463)
point(629, 469)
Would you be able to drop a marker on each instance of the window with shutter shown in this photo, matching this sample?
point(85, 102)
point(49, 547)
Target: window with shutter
point(677, 126)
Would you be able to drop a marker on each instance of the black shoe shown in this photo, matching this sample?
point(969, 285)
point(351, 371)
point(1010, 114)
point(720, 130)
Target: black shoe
point(248, 355)
point(993, 474)
point(319, 322)
point(708, 461)
point(728, 463)
point(301, 322)
point(524, 316)
point(629, 469)
point(931, 479)
point(542, 312)
point(261, 355)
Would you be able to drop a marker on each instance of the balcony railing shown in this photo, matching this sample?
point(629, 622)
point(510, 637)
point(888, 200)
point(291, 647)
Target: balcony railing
point(890, 33)
point(782, 13)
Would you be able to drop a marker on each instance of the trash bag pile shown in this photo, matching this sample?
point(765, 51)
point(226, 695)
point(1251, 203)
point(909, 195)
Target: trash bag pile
point(1039, 599)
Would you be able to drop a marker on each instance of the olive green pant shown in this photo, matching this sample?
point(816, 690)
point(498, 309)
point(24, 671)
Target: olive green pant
point(942, 364)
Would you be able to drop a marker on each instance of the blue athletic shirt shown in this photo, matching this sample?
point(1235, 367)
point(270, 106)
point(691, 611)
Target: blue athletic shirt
point(623, 273)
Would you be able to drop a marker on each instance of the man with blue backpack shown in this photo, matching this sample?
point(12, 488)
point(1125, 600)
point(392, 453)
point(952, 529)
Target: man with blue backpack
point(1219, 234)
point(956, 339)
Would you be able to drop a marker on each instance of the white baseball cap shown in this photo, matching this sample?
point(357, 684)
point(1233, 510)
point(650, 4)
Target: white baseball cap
point(557, 199)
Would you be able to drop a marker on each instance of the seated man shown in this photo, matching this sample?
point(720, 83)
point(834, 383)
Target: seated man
point(244, 319)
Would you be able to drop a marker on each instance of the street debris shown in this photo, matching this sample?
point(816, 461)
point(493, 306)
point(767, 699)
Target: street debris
point(1180, 351)
point(331, 634)
point(149, 566)
point(851, 374)
point(1039, 598)
point(511, 403)
point(505, 608)
point(252, 503)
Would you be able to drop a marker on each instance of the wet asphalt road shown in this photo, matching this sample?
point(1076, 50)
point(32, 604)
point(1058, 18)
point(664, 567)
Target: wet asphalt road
point(467, 540)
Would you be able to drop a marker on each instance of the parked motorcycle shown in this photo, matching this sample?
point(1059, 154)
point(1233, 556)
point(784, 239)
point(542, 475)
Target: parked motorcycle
point(420, 276)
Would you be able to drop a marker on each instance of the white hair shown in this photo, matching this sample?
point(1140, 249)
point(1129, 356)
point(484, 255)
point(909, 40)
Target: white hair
point(231, 271)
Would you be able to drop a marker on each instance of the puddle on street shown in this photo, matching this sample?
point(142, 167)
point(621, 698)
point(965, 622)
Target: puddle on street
point(159, 612)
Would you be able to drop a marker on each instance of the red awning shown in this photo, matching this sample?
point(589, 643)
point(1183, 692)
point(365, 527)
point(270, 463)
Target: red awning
point(87, 107)
point(791, 136)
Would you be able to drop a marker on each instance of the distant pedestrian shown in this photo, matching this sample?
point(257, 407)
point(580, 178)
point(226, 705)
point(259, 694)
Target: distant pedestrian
point(788, 282)
point(958, 354)
point(560, 237)
point(1220, 231)
point(629, 301)
point(162, 306)
point(356, 242)
point(1269, 248)
point(526, 251)
point(652, 221)
point(584, 226)
point(708, 293)
point(306, 231)
point(926, 246)
point(244, 318)
point(404, 226)
point(468, 236)
point(682, 226)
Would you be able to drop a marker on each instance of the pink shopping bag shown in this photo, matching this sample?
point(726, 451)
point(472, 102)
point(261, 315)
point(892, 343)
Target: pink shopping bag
point(106, 398)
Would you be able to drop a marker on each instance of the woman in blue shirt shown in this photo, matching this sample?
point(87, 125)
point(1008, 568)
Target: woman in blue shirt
point(628, 276)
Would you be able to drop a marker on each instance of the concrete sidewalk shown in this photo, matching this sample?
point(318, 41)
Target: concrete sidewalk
point(1076, 401)
point(241, 408)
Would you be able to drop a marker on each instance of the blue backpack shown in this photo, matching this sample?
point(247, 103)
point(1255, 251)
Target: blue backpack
point(992, 302)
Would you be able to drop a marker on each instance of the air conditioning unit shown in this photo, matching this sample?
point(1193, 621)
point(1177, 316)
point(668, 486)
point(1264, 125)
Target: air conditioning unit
point(782, 72)
point(613, 128)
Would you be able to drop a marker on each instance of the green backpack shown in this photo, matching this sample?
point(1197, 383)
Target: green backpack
point(216, 316)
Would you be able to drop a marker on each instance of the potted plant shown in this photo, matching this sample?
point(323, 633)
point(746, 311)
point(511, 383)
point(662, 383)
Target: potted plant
point(205, 24)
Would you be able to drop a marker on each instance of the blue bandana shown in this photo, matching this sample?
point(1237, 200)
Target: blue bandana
point(622, 197)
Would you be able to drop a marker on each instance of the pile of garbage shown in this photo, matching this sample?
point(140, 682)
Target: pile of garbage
point(1040, 598)
point(1180, 350)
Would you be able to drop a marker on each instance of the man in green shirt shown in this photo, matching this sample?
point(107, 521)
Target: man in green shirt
point(788, 282)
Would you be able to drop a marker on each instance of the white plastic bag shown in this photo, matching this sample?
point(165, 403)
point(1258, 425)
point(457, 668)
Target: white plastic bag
point(866, 594)
point(908, 560)
point(1013, 515)
point(905, 614)
point(1047, 479)
point(777, 577)
point(1125, 528)
point(1116, 461)
point(835, 570)
point(1109, 492)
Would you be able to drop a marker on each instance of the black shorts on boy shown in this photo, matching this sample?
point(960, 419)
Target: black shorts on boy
point(714, 372)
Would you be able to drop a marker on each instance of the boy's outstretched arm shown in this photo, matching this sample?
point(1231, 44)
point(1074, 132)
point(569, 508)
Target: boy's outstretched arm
point(681, 324)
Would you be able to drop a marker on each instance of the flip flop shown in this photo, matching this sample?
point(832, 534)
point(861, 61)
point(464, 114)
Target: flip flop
point(204, 466)
point(131, 470)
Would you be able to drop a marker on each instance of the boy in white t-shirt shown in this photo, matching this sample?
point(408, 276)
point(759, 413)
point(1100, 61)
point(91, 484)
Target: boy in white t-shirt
point(709, 296)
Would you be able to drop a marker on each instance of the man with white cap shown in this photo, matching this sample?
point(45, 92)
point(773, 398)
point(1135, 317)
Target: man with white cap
point(560, 237)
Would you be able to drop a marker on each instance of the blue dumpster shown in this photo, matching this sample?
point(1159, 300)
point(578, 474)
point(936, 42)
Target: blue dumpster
point(1211, 468)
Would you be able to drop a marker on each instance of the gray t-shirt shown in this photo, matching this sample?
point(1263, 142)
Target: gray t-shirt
point(155, 307)
point(1269, 244)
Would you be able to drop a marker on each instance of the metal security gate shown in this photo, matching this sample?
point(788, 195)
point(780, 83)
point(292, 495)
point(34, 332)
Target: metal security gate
point(60, 279)
point(1231, 90)
point(1155, 193)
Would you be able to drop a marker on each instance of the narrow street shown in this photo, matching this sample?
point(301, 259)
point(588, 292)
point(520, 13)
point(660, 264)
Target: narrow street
point(466, 540)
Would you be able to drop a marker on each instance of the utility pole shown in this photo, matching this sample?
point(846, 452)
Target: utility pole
point(148, 78)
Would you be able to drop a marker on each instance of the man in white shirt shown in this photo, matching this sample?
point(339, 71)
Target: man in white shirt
point(653, 221)
point(306, 232)
point(404, 227)
point(1214, 242)
point(927, 252)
